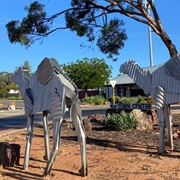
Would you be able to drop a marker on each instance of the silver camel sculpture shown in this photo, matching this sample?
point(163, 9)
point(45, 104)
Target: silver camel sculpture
point(50, 91)
point(164, 86)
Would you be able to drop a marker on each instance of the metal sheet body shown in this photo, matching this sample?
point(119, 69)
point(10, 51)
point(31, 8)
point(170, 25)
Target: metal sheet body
point(46, 91)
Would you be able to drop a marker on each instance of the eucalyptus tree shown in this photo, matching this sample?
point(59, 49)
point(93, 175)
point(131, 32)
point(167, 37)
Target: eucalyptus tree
point(98, 20)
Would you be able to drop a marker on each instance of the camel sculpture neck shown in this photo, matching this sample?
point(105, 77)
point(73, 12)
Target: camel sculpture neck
point(18, 77)
point(141, 78)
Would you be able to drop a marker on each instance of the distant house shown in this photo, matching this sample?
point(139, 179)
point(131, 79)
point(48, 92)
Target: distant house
point(125, 86)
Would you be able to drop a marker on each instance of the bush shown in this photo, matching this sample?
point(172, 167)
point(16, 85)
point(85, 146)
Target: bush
point(137, 100)
point(120, 121)
point(97, 100)
point(15, 98)
point(117, 99)
point(132, 100)
point(141, 100)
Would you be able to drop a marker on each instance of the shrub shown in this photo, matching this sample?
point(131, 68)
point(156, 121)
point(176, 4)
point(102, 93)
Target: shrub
point(141, 100)
point(97, 100)
point(120, 121)
point(137, 100)
point(132, 100)
point(117, 99)
point(15, 98)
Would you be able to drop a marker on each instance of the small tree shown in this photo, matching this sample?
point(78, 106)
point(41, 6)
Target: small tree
point(88, 73)
point(6, 83)
point(3, 89)
point(27, 66)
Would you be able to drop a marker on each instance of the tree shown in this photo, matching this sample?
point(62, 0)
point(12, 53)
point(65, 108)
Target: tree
point(93, 19)
point(27, 66)
point(88, 73)
point(6, 83)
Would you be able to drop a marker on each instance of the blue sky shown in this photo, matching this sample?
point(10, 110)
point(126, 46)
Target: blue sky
point(65, 45)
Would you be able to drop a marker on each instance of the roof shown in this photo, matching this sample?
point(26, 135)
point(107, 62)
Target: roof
point(125, 79)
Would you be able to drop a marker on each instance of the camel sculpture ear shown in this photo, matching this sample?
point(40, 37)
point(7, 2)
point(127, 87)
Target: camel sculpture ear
point(13, 78)
point(147, 83)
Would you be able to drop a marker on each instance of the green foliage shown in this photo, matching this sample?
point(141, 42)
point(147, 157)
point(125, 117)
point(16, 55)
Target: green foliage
point(117, 99)
point(88, 73)
point(132, 100)
point(136, 100)
point(27, 66)
point(81, 18)
point(92, 19)
point(6, 83)
point(120, 121)
point(32, 25)
point(97, 100)
point(112, 38)
point(14, 98)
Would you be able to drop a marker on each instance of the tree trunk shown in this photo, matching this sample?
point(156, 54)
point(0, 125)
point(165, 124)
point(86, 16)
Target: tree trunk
point(167, 41)
point(85, 92)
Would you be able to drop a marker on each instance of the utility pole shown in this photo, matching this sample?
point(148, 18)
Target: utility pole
point(147, 6)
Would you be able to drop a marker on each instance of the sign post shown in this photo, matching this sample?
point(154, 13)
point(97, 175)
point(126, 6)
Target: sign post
point(113, 83)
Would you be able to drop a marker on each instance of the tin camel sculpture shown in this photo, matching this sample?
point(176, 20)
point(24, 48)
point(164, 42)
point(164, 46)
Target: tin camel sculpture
point(50, 91)
point(164, 86)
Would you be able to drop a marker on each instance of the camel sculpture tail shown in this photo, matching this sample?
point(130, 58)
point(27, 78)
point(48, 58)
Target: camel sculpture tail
point(141, 78)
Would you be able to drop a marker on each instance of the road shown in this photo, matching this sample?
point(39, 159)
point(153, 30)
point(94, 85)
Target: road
point(15, 120)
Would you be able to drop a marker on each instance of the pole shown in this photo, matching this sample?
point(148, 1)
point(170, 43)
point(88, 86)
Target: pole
point(150, 35)
point(150, 43)
point(113, 83)
point(113, 96)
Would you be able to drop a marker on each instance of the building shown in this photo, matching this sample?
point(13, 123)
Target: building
point(125, 86)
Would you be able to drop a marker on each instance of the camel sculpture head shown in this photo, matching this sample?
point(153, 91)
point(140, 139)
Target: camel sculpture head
point(21, 72)
point(141, 78)
point(124, 68)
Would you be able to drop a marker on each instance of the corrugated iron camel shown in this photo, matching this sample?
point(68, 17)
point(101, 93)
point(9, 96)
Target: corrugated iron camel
point(49, 91)
point(164, 86)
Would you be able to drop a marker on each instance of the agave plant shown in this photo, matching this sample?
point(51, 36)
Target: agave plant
point(120, 121)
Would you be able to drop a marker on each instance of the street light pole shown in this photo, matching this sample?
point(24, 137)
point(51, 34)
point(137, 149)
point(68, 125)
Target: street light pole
point(113, 83)
point(150, 35)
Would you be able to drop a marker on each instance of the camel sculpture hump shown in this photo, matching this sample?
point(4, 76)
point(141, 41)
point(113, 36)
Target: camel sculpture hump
point(49, 68)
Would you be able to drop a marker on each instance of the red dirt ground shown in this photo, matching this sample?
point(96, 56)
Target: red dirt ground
point(111, 155)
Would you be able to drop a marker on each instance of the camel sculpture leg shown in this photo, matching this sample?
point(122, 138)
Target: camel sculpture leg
point(56, 143)
point(165, 120)
point(46, 135)
point(76, 116)
point(161, 124)
point(168, 120)
point(56, 136)
point(29, 136)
